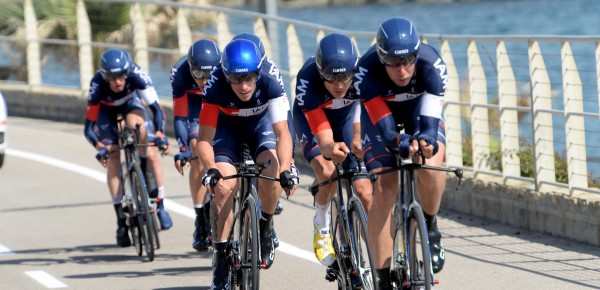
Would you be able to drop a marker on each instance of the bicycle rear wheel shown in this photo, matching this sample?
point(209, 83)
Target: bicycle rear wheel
point(421, 275)
point(340, 245)
point(361, 249)
point(144, 214)
point(249, 250)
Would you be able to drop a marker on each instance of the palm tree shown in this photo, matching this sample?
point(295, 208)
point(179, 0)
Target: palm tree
point(110, 23)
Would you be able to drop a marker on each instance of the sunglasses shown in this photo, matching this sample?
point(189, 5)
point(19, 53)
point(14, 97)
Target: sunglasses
point(337, 78)
point(396, 61)
point(111, 77)
point(200, 74)
point(242, 78)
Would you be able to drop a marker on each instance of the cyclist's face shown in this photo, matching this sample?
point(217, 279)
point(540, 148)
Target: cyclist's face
point(401, 74)
point(201, 83)
point(117, 84)
point(337, 89)
point(244, 90)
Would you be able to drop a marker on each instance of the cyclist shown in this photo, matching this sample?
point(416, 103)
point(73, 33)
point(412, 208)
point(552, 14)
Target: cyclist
point(118, 88)
point(402, 82)
point(269, 65)
point(188, 78)
point(243, 104)
point(327, 120)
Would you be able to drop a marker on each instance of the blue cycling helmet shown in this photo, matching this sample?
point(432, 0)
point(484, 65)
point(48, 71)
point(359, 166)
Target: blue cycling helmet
point(241, 56)
point(336, 56)
point(113, 63)
point(397, 37)
point(203, 57)
point(254, 38)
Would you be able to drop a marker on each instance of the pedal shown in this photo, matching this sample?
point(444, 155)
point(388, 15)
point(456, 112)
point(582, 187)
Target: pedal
point(330, 274)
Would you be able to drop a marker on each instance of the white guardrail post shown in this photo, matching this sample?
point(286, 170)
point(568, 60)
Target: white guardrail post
point(509, 123)
point(34, 68)
point(140, 38)
point(84, 41)
point(479, 111)
point(541, 102)
point(574, 123)
point(452, 111)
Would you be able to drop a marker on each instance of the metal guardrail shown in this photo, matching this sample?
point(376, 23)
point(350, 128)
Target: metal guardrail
point(513, 103)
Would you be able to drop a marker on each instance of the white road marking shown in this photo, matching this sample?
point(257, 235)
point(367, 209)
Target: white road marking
point(171, 205)
point(45, 279)
point(5, 251)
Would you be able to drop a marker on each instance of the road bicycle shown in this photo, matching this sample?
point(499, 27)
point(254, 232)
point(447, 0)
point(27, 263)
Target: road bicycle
point(353, 266)
point(243, 243)
point(411, 258)
point(138, 207)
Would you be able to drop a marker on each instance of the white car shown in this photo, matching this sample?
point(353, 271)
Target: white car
point(3, 141)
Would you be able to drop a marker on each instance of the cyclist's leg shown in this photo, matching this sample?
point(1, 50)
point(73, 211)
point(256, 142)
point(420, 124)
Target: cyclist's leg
point(222, 213)
point(377, 158)
point(430, 187)
point(107, 134)
point(198, 193)
point(324, 170)
point(262, 146)
point(156, 187)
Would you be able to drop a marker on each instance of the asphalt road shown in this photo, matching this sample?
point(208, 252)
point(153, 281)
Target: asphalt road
point(57, 229)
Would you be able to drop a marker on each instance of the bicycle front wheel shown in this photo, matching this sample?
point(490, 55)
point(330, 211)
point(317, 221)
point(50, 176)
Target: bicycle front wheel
point(144, 215)
point(421, 275)
point(249, 251)
point(339, 236)
point(398, 264)
point(361, 249)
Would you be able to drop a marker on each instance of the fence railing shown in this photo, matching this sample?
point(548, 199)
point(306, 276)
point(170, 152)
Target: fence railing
point(521, 110)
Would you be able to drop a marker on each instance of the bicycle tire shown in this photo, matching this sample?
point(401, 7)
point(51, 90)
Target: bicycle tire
point(421, 274)
point(155, 228)
point(361, 248)
point(338, 236)
point(249, 246)
point(398, 264)
point(143, 210)
point(134, 227)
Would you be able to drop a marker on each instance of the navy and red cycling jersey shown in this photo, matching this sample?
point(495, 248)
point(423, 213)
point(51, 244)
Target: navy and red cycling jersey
point(315, 110)
point(239, 122)
point(313, 99)
point(187, 102)
point(138, 84)
point(381, 97)
point(221, 101)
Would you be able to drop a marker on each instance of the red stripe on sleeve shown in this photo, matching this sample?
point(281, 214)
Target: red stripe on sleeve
point(92, 111)
point(317, 120)
point(377, 109)
point(180, 106)
point(209, 115)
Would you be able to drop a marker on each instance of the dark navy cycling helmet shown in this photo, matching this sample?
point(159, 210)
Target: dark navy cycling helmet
point(398, 37)
point(241, 56)
point(336, 57)
point(114, 63)
point(254, 38)
point(203, 57)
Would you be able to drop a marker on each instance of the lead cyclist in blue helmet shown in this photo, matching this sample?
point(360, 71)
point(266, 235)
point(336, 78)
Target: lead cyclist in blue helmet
point(402, 81)
point(119, 87)
point(327, 120)
point(268, 66)
point(234, 112)
point(188, 79)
